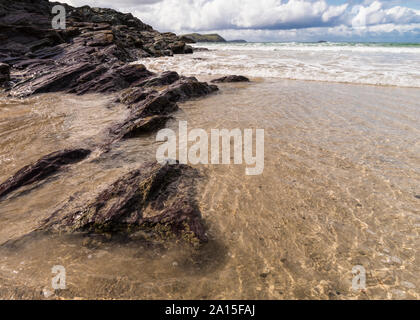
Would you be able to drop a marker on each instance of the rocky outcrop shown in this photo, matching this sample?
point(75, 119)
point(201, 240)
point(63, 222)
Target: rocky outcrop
point(231, 79)
point(150, 109)
point(162, 79)
point(134, 95)
point(187, 88)
point(143, 126)
point(158, 200)
point(196, 37)
point(158, 44)
point(88, 56)
point(81, 78)
point(42, 169)
point(149, 115)
point(93, 55)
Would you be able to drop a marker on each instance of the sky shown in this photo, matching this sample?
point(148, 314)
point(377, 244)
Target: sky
point(278, 20)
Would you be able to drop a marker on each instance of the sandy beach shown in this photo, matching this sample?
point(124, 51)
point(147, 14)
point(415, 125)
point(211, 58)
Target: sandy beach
point(338, 190)
point(82, 188)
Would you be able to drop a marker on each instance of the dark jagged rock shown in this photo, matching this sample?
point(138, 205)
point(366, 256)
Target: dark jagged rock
point(156, 199)
point(81, 78)
point(151, 112)
point(4, 73)
point(188, 50)
point(134, 95)
point(42, 169)
point(142, 90)
point(107, 16)
point(231, 79)
point(135, 126)
point(165, 78)
point(85, 57)
point(179, 89)
point(187, 88)
point(144, 125)
point(148, 115)
point(102, 80)
point(155, 104)
point(94, 54)
point(178, 47)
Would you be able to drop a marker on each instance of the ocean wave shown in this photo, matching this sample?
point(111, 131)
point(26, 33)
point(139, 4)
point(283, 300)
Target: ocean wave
point(360, 64)
point(318, 47)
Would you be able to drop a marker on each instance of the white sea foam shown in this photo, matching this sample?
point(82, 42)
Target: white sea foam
point(376, 64)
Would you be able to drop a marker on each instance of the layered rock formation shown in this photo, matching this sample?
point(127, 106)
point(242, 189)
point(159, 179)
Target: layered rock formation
point(150, 109)
point(96, 43)
point(42, 169)
point(155, 199)
point(93, 54)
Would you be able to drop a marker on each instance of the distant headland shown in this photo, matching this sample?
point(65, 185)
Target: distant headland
point(214, 37)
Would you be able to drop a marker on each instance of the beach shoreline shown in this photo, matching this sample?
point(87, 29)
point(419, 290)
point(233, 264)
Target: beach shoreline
point(81, 188)
point(330, 198)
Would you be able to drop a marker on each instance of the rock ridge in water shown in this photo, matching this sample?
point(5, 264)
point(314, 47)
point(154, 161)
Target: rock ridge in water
point(150, 109)
point(156, 199)
point(93, 55)
point(42, 169)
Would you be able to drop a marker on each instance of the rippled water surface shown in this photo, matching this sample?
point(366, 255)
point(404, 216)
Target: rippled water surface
point(340, 188)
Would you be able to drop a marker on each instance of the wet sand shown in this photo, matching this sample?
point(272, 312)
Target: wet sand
point(338, 190)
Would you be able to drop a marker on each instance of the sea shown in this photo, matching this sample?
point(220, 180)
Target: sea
point(388, 64)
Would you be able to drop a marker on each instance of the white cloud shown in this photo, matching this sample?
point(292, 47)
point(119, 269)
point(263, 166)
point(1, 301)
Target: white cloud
point(241, 14)
point(374, 14)
point(386, 32)
point(276, 18)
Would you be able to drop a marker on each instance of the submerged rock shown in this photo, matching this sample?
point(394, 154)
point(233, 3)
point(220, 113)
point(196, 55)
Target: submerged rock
point(146, 125)
point(151, 108)
point(42, 169)
point(232, 78)
point(134, 128)
point(148, 115)
point(155, 104)
point(157, 199)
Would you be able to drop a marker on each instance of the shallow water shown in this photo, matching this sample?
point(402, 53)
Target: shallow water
point(338, 190)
